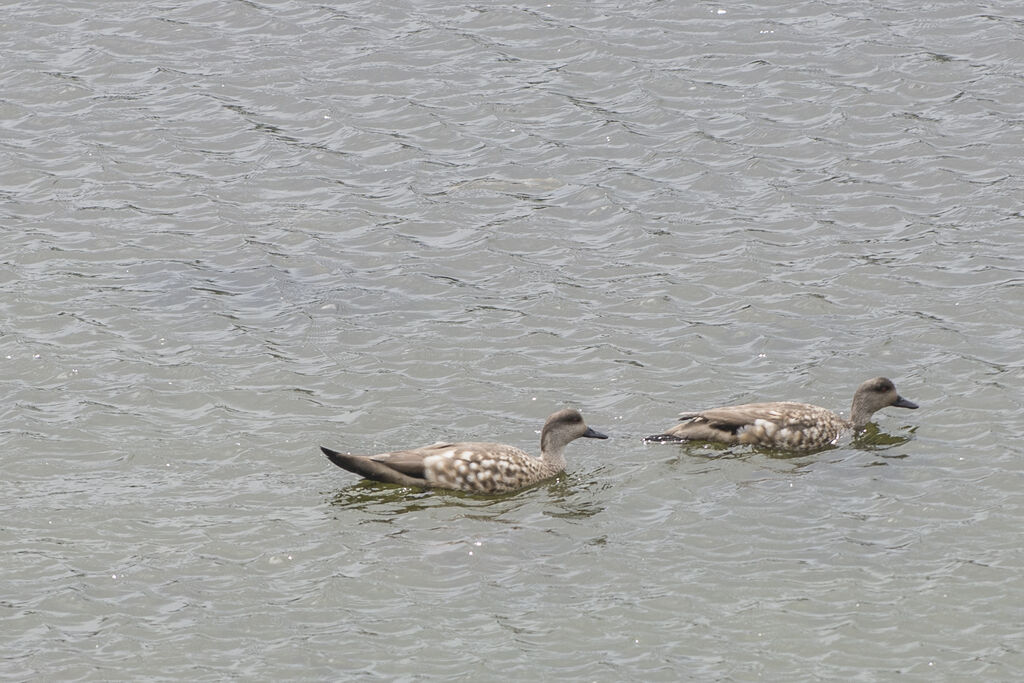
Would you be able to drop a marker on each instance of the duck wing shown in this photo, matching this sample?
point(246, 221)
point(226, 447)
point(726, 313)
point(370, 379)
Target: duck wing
point(734, 418)
point(412, 462)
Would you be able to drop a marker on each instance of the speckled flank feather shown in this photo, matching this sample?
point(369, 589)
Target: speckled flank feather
point(490, 468)
point(796, 426)
point(786, 425)
point(473, 466)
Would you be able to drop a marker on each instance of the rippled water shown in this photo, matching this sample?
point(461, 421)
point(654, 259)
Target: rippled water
point(236, 231)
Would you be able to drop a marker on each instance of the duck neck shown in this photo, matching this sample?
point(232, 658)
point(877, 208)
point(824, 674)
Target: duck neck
point(859, 414)
point(551, 452)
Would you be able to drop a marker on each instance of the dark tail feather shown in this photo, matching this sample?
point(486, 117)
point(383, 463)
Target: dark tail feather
point(371, 469)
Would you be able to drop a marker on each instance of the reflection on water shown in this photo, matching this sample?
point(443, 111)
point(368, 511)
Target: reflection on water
point(868, 439)
point(564, 496)
point(871, 438)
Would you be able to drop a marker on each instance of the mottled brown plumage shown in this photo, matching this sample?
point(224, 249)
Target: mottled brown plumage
point(473, 466)
point(786, 425)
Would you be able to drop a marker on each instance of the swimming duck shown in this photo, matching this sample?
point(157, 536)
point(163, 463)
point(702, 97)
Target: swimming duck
point(791, 426)
point(473, 466)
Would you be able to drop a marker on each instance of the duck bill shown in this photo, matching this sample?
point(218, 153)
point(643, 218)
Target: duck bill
point(591, 434)
point(904, 403)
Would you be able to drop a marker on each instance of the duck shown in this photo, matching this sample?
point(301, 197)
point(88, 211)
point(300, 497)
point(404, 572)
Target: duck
point(784, 425)
point(473, 466)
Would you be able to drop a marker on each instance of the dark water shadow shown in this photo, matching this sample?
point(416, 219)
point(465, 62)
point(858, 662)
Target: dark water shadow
point(872, 439)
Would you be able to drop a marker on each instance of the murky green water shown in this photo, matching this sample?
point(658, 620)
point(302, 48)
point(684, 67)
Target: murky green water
point(237, 231)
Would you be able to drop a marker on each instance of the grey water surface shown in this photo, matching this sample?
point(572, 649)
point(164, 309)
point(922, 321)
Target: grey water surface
point(235, 231)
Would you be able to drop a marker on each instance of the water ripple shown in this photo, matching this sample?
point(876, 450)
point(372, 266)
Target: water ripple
point(235, 232)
